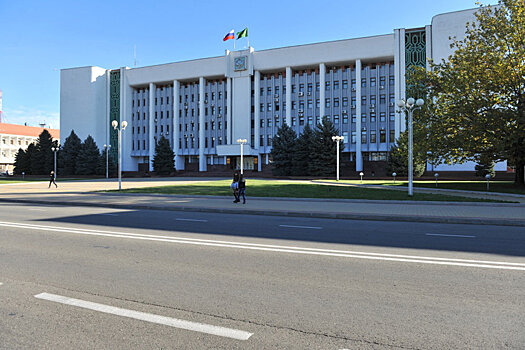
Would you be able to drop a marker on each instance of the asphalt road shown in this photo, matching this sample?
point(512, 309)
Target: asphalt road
point(96, 278)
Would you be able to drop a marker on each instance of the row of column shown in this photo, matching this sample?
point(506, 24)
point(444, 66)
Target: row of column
point(179, 160)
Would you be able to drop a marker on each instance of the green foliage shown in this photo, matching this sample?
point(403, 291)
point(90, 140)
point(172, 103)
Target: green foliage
point(485, 166)
point(283, 149)
point(23, 161)
point(101, 166)
point(163, 161)
point(398, 158)
point(88, 158)
point(479, 92)
point(42, 158)
point(303, 152)
point(324, 158)
point(69, 154)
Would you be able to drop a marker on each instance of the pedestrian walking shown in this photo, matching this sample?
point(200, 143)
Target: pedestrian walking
point(242, 189)
point(52, 178)
point(235, 186)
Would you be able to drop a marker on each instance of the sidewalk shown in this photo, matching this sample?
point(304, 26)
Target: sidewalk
point(78, 193)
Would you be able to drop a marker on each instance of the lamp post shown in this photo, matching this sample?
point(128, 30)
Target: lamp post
point(394, 175)
point(361, 174)
point(106, 149)
point(410, 106)
point(337, 139)
point(242, 142)
point(55, 150)
point(122, 127)
point(436, 175)
point(488, 181)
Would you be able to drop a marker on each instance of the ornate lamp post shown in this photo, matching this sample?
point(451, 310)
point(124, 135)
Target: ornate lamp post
point(123, 126)
point(242, 142)
point(337, 139)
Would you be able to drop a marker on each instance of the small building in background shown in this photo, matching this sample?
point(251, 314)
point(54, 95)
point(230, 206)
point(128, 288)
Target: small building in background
point(13, 137)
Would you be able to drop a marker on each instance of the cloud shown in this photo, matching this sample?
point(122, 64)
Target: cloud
point(31, 116)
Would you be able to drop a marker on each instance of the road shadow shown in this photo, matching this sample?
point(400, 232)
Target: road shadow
point(499, 240)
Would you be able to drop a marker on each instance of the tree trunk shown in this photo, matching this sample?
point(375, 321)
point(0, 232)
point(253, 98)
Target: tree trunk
point(520, 174)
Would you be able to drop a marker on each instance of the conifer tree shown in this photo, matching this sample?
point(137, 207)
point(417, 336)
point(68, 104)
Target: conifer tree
point(88, 157)
point(69, 154)
point(398, 159)
point(303, 152)
point(283, 150)
point(42, 158)
point(164, 159)
point(20, 165)
point(324, 157)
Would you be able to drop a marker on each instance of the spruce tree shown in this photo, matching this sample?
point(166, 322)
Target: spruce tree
point(303, 152)
point(28, 156)
point(42, 157)
point(283, 150)
point(88, 157)
point(324, 157)
point(398, 158)
point(69, 154)
point(164, 159)
point(20, 162)
point(101, 166)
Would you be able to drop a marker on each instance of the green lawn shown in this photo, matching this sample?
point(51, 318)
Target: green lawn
point(495, 186)
point(265, 188)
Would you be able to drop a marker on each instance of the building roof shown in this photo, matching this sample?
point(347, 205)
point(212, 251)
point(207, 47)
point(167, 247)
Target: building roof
point(22, 130)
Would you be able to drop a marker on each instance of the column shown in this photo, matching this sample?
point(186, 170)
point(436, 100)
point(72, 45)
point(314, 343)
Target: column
point(322, 90)
point(289, 96)
point(151, 121)
point(229, 131)
point(358, 152)
point(257, 117)
point(179, 160)
point(402, 82)
point(202, 157)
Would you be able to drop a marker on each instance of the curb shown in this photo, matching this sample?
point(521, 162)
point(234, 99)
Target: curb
point(343, 216)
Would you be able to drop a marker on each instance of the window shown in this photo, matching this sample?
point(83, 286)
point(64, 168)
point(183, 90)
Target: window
point(382, 136)
point(382, 116)
point(301, 87)
point(269, 140)
point(327, 85)
point(206, 126)
point(317, 103)
point(219, 95)
point(262, 92)
point(301, 121)
point(261, 107)
point(363, 137)
point(294, 104)
point(372, 117)
point(310, 87)
point(310, 104)
point(269, 122)
point(353, 137)
point(353, 84)
point(392, 136)
point(213, 142)
point(162, 100)
point(345, 118)
point(261, 122)
point(220, 125)
point(317, 86)
point(310, 120)
point(327, 103)
point(363, 82)
point(293, 88)
point(363, 118)
point(382, 81)
point(269, 107)
point(336, 85)
point(391, 80)
point(372, 136)
point(392, 116)
point(301, 105)
point(294, 121)
point(161, 115)
point(261, 141)
point(277, 90)
point(155, 101)
point(168, 114)
point(206, 142)
point(382, 99)
point(212, 96)
point(372, 82)
point(336, 119)
point(336, 102)
point(354, 101)
point(392, 99)
point(345, 84)
point(363, 101)
point(345, 101)
point(373, 100)
point(269, 90)
point(354, 119)
point(193, 97)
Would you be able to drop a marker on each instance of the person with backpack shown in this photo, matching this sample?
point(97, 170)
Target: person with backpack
point(242, 189)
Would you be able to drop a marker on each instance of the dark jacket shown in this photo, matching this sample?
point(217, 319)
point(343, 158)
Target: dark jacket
point(236, 177)
point(242, 183)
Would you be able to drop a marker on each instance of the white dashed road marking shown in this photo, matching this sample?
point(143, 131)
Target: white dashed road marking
point(444, 235)
point(195, 220)
point(308, 227)
point(143, 316)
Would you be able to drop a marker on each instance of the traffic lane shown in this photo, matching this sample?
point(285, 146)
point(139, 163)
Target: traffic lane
point(441, 238)
point(351, 299)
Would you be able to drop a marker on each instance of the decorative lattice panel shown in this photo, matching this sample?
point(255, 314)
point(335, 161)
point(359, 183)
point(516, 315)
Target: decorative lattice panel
point(415, 49)
point(114, 111)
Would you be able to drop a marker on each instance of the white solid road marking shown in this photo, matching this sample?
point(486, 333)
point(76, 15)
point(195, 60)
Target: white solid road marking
point(278, 248)
point(108, 214)
point(309, 227)
point(167, 321)
point(195, 220)
point(36, 209)
point(445, 235)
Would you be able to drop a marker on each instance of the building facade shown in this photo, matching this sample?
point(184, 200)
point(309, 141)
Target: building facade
point(13, 137)
point(204, 106)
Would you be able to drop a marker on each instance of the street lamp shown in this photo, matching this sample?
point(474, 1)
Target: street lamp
point(106, 149)
point(436, 175)
point(242, 142)
point(55, 150)
point(122, 127)
point(394, 175)
point(488, 180)
point(410, 106)
point(361, 174)
point(337, 139)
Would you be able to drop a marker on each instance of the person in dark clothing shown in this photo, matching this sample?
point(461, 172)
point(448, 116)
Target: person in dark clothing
point(242, 189)
point(52, 179)
point(235, 186)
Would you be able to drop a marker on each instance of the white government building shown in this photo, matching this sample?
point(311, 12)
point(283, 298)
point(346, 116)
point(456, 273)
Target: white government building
point(204, 106)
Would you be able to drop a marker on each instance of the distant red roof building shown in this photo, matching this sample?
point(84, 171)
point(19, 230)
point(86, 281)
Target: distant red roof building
point(22, 130)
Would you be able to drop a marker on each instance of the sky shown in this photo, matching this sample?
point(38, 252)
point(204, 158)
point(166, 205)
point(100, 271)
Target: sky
point(38, 38)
